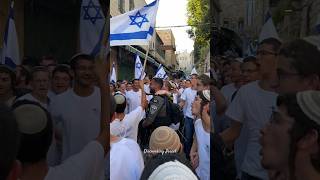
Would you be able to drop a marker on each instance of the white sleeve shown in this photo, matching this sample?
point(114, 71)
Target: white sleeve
point(88, 164)
point(184, 95)
point(236, 110)
point(137, 114)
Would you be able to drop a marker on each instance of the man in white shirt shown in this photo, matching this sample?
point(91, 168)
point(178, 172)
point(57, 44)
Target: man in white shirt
point(126, 125)
point(35, 125)
point(40, 82)
point(187, 98)
point(230, 89)
point(78, 109)
point(134, 96)
point(251, 109)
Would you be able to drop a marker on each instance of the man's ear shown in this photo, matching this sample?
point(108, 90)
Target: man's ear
point(309, 142)
point(15, 172)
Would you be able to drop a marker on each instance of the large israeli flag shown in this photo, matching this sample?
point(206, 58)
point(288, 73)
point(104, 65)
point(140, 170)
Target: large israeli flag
point(113, 78)
point(138, 69)
point(135, 27)
point(92, 22)
point(161, 73)
point(268, 30)
point(10, 51)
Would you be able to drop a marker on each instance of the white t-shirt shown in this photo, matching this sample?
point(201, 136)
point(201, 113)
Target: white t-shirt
point(203, 141)
point(86, 165)
point(228, 91)
point(126, 162)
point(128, 127)
point(133, 100)
point(252, 106)
point(79, 118)
point(188, 96)
point(32, 98)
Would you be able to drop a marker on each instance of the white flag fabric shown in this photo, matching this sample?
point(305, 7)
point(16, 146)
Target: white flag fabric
point(138, 68)
point(194, 71)
point(113, 77)
point(10, 51)
point(92, 22)
point(161, 73)
point(268, 29)
point(135, 27)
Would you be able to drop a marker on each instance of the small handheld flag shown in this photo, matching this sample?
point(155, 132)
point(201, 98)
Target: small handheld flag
point(92, 22)
point(135, 27)
point(10, 51)
point(138, 69)
point(194, 71)
point(161, 73)
point(268, 30)
point(113, 77)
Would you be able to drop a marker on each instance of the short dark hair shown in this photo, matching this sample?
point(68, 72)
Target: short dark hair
point(74, 60)
point(38, 69)
point(301, 126)
point(160, 159)
point(62, 68)
point(134, 80)
point(112, 106)
point(251, 59)
point(158, 81)
point(7, 70)
point(303, 55)
point(275, 43)
point(34, 147)
point(205, 80)
point(9, 138)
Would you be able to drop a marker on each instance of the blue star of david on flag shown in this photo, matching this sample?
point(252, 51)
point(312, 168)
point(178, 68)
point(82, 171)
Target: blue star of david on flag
point(92, 12)
point(138, 16)
point(138, 65)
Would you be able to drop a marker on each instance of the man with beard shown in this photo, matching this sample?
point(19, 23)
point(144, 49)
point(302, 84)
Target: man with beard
point(78, 109)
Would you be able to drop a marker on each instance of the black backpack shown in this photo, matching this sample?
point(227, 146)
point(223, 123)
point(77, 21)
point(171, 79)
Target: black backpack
point(174, 111)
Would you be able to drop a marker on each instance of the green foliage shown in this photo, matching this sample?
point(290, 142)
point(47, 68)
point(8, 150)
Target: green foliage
point(199, 20)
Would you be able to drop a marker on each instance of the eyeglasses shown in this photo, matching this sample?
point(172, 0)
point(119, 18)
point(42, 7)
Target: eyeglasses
point(264, 53)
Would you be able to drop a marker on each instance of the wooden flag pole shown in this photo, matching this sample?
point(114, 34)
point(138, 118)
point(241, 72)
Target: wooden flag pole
point(145, 61)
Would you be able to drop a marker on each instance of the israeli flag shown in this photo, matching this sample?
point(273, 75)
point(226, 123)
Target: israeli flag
point(268, 30)
point(92, 22)
point(135, 27)
point(194, 71)
point(10, 51)
point(161, 73)
point(138, 69)
point(113, 78)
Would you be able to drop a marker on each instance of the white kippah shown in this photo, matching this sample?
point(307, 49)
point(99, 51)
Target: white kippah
point(31, 119)
point(173, 170)
point(119, 98)
point(309, 102)
point(206, 94)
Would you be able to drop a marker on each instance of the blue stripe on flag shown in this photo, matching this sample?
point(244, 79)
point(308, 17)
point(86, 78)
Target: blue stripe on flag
point(10, 63)
point(151, 4)
point(97, 48)
point(135, 35)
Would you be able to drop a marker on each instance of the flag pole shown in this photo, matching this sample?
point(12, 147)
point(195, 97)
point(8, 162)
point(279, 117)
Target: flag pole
point(145, 61)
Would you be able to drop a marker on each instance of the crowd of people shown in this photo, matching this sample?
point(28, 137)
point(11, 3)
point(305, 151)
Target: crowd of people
point(268, 126)
point(53, 123)
point(164, 128)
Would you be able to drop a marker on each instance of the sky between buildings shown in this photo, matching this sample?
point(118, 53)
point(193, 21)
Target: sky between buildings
point(174, 13)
